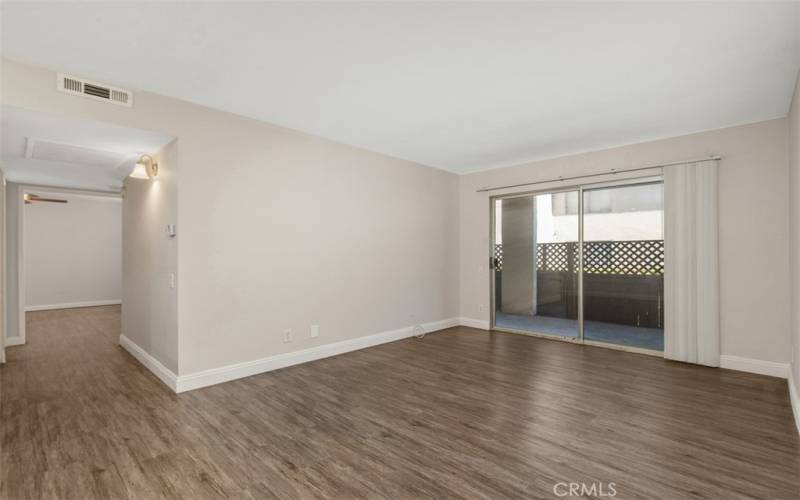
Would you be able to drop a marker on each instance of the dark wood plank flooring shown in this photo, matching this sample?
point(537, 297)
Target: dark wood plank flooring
point(458, 414)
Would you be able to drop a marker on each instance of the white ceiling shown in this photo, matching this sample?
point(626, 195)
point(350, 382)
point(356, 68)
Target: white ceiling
point(461, 86)
point(52, 150)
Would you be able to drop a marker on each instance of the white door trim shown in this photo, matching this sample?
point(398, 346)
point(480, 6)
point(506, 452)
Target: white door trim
point(21, 265)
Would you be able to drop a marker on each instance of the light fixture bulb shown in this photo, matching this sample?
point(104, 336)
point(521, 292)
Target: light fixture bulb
point(139, 172)
point(145, 168)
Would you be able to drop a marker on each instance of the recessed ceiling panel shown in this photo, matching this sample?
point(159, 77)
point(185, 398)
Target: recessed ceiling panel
point(56, 150)
point(39, 149)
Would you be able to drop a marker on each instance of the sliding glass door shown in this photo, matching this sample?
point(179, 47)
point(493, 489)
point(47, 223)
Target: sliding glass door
point(623, 270)
point(585, 265)
point(536, 246)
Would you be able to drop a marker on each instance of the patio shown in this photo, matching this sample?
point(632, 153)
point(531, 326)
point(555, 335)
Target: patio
point(597, 331)
point(623, 284)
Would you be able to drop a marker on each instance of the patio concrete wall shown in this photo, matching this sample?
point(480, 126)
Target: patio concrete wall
point(518, 247)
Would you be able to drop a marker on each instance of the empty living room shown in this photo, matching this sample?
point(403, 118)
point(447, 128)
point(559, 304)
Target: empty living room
point(400, 250)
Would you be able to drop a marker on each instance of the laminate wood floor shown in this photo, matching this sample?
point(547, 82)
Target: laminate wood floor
point(458, 414)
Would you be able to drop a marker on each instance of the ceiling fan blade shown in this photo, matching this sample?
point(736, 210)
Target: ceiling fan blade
point(30, 197)
point(50, 200)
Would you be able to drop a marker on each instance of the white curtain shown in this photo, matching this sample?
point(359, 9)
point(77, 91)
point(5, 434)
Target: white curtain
point(691, 275)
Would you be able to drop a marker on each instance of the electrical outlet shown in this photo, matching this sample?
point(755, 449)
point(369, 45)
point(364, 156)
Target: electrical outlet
point(172, 280)
point(314, 331)
point(481, 307)
point(287, 335)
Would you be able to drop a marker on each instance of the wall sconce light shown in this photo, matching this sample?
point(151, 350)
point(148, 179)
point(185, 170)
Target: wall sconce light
point(145, 168)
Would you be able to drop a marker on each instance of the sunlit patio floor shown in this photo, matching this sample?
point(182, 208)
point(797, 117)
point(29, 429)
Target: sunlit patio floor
point(631, 336)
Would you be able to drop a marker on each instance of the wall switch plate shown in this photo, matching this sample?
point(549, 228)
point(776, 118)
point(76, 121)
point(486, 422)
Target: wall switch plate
point(287, 335)
point(172, 280)
point(481, 307)
point(314, 331)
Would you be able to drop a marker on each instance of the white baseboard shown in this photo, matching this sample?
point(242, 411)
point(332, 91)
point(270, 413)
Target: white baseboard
point(72, 305)
point(215, 376)
point(794, 397)
point(12, 341)
point(162, 372)
point(482, 324)
point(759, 366)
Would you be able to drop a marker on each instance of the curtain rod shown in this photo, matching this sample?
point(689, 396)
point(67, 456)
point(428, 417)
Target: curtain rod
point(609, 172)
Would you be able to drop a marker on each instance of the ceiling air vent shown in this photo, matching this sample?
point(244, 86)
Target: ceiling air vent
point(94, 90)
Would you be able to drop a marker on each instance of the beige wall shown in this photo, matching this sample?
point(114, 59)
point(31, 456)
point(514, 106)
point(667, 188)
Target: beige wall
point(3, 292)
point(279, 229)
point(72, 251)
point(794, 162)
point(150, 258)
point(11, 246)
point(283, 230)
point(754, 244)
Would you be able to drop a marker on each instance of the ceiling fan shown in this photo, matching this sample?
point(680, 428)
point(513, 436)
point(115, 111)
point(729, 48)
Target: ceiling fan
point(30, 198)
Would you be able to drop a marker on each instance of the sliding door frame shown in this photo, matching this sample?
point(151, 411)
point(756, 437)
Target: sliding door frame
point(580, 188)
point(493, 298)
